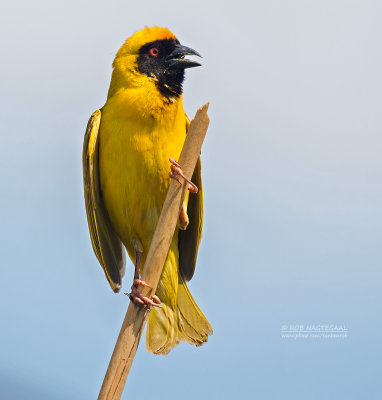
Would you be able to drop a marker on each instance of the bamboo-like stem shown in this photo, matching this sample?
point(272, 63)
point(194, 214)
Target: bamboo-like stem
point(135, 318)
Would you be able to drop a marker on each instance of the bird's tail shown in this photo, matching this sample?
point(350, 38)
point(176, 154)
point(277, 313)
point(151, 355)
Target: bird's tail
point(175, 321)
point(193, 326)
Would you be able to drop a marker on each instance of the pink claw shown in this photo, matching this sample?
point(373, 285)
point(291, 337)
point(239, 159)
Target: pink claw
point(141, 283)
point(176, 172)
point(137, 297)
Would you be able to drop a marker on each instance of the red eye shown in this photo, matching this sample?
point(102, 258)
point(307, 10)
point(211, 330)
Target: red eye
point(154, 51)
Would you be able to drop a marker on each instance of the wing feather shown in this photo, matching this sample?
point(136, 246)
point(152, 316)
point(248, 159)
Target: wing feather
point(107, 246)
point(189, 239)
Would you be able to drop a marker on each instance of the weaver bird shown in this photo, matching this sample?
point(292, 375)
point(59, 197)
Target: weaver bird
point(130, 146)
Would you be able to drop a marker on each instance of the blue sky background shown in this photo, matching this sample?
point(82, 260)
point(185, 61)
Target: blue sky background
point(292, 174)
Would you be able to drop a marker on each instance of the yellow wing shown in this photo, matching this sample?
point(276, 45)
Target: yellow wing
point(189, 239)
point(107, 246)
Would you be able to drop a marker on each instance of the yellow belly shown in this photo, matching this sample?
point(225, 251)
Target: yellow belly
point(134, 165)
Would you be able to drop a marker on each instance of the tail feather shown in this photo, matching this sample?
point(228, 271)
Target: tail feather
point(167, 326)
point(192, 324)
point(179, 317)
point(162, 333)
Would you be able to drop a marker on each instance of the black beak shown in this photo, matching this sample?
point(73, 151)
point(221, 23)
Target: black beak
point(176, 59)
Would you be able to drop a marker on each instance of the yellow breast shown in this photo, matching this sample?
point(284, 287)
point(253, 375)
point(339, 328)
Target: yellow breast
point(134, 149)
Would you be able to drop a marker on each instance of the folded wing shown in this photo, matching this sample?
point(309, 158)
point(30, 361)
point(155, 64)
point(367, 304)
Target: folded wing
point(189, 239)
point(107, 246)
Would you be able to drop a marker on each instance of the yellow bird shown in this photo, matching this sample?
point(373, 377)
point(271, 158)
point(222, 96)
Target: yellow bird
point(126, 162)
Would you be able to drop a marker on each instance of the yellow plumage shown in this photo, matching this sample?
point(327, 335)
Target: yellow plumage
point(127, 148)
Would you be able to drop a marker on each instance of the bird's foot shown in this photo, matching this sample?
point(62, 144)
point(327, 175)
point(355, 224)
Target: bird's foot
point(176, 172)
point(137, 298)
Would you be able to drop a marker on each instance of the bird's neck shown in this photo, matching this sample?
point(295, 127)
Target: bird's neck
point(145, 104)
point(138, 96)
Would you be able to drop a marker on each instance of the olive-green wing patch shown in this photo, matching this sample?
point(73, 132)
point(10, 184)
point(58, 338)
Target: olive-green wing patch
point(107, 246)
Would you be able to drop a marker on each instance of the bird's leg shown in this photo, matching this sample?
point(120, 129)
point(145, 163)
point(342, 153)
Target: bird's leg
point(135, 296)
point(176, 172)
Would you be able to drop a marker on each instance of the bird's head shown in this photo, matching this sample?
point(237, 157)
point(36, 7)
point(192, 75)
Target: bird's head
point(152, 58)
